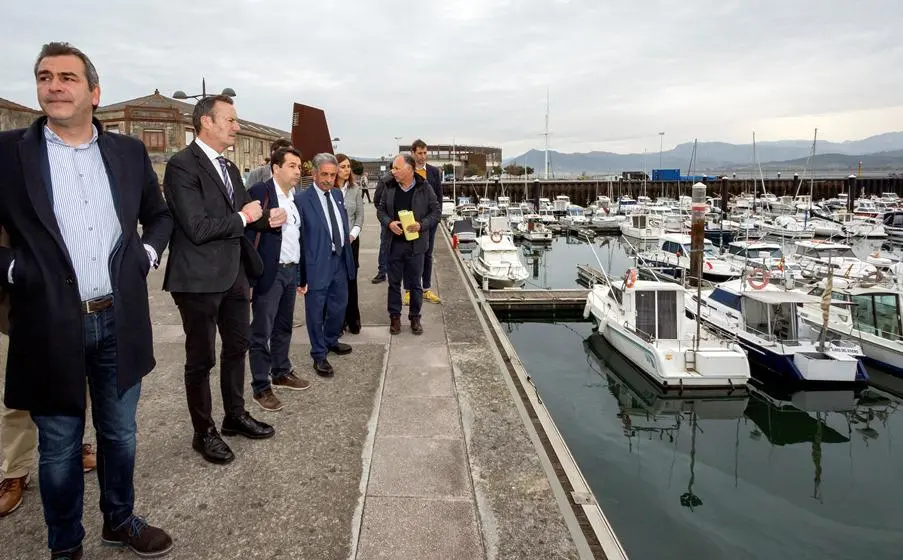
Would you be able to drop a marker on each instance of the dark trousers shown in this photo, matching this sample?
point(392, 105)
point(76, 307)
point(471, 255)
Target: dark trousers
point(428, 260)
point(62, 481)
point(201, 315)
point(271, 329)
point(404, 265)
point(352, 311)
point(324, 310)
point(384, 237)
point(366, 193)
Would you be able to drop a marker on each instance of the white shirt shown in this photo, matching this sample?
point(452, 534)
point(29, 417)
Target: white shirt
point(291, 229)
point(335, 206)
point(214, 159)
point(356, 230)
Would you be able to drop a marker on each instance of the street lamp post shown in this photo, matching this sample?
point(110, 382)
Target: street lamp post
point(395, 147)
point(661, 138)
point(179, 94)
point(335, 143)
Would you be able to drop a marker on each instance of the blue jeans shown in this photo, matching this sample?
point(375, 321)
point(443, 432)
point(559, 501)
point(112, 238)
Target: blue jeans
point(384, 237)
point(271, 329)
point(428, 259)
point(324, 310)
point(62, 481)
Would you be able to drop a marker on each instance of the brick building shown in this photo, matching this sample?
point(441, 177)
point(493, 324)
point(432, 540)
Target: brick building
point(163, 124)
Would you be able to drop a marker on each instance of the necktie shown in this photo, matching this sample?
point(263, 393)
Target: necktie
point(226, 180)
point(336, 235)
point(422, 172)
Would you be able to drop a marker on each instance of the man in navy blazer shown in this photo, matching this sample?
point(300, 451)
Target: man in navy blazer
point(329, 263)
point(273, 299)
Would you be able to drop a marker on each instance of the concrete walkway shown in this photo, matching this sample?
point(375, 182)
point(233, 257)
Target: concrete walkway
point(414, 450)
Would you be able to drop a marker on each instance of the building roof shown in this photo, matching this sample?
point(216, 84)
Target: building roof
point(156, 100)
point(7, 104)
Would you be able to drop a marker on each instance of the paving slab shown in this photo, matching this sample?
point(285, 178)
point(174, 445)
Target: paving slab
point(420, 417)
point(435, 381)
point(419, 467)
point(409, 528)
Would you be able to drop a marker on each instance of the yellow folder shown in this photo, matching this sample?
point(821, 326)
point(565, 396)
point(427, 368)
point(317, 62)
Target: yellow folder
point(407, 219)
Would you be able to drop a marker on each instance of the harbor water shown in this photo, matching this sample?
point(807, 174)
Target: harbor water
point(761, 475)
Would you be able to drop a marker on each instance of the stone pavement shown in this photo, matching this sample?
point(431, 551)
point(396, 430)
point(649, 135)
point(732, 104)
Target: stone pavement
point(414, 450)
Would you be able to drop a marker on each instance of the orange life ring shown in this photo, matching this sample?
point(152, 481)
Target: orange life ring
point(761, 284)
point(496, 236)
point(630, 278)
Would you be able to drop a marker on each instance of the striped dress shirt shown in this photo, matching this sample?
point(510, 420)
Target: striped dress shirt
point(85, 211)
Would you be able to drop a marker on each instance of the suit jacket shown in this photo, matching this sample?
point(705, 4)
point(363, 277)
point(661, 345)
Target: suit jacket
point(381, 188)
point(354, 205)
point(317, 239)
point(426, 208)
point(434, 178)
point(208, 239)
point(270, 246)
point(45, 370)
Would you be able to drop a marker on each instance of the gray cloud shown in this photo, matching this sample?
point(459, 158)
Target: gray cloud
point(478, 70)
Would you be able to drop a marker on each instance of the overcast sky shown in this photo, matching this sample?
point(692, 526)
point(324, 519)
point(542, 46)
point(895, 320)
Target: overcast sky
point(478, 70)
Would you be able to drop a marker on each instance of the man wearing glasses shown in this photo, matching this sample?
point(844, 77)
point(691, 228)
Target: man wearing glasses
point(273, 298)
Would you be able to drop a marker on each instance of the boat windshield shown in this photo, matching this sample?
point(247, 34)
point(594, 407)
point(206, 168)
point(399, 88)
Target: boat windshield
point(827, 252)
point(878, 314)
point(575, 211)
point(771, 321)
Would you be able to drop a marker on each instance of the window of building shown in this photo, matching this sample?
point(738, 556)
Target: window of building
point(112, 128)
point(246, 145)
point(189, 135)
point(154, 140)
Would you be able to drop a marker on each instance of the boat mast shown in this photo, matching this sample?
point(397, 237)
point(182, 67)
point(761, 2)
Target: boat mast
point(546, 134)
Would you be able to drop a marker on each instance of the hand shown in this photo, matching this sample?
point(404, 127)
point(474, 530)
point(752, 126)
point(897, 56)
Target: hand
point(352, 237)
point(278, 216)
point(414, 228)
point(395, 227)
point(302, 290)
point(253, 210)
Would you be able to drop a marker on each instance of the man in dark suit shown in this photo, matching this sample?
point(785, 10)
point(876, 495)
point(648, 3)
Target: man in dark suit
point(329, 262)
point(406, 191)
point(207, 273)
point(381, 273)
point(273, 299)
point(71, 198)
point(433, 176)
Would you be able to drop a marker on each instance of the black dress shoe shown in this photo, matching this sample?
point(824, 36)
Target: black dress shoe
point(245, 425)
point(340, 348)
point(378, 278)
point(323, 368)
point(212, 447)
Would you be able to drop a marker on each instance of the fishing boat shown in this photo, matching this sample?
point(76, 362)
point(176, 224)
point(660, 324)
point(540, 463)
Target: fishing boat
point(866, 312)
point(673, 256)
point(496, 263)
point(574, 217)
point(639, 226)
point(532, 229)
point(645, 321)
point(765, 320)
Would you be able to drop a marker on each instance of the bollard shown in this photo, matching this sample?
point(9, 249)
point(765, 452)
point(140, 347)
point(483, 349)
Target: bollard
point(697, 233)
point(851, 193)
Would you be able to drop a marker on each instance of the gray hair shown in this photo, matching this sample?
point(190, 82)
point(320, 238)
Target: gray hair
point(63, 49)
point(408, 159)
point(321, 159)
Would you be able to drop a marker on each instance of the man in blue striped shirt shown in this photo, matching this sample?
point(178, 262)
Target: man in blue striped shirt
point(71, 198)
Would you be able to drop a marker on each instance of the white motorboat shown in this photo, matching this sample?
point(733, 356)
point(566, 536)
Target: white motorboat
point(753, 256)
point(574, 217)
point(547, 216)
point(495, 262)
point(893, 223)
point(766, 322)
point(824, 228)
point(789, 227)
point(645, 322)
point(858, 226)
point(448, 206)
point(515, 216)
point(533, 230)
point(865, 312)
point(673, 256)
point(561, 204)
point(817, 256)
point(639, 226)
point(601, 220)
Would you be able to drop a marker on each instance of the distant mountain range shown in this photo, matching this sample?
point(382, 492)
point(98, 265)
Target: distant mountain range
point(883, 152)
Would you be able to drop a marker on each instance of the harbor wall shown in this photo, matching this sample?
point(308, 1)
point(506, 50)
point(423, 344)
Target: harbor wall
point(583, 192)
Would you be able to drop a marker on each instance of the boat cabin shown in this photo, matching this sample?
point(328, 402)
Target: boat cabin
point(874, 310)
point(769, 313)
point(656, 309)
point(680, 245)
point(745, 250)
point(824, 250)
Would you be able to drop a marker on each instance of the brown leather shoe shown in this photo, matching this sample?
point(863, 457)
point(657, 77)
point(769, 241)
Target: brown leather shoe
point(291, 382)
point(135, 534)
point(11, 490)
point(268, 401)
point(416, 327)
point(394, 324)
point(89, 458)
